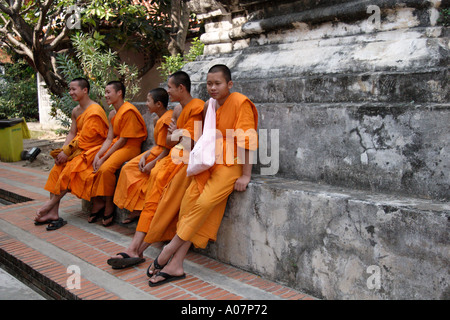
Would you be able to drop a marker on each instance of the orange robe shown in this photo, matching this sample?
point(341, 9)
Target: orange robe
point(132, 184)
point(204, 202)
point(127, 123)
point(92, 129)
point(169, 167)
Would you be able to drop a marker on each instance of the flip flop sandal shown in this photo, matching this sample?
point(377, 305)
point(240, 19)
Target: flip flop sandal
point(167, 278)
point(40, 223)
point(130, 220)
point(96, 215)
point(56, 224)
point(157, 267)
point(125, 262)
point(107, 218)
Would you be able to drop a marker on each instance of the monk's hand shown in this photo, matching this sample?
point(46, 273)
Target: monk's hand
point(172, 126)
point(142, 164)
point(61, 158)
point(242, 183)
point(148, 167)
point(97, 163)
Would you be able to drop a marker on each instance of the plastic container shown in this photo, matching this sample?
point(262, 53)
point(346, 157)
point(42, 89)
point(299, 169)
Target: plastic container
point(11, 139)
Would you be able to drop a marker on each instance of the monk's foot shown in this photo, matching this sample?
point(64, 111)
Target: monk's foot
point(157, 265)
point(130, 253)
point(42, 211)
point(133, 216)
point(95, 215)
point(46, 218)
point(108, 219)
point(167, 274)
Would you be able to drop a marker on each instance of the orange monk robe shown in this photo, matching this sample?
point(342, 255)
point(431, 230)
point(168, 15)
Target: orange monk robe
point(132, 184)
point(169, 167)
point(92, 129)
point(127, 123)
point(204, 202)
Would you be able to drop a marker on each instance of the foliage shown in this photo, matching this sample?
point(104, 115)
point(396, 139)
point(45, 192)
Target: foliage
point(171, 64)
point(99, 65)
point(124, 25)
point(18, 92)
point(39, 30)
point(444, 18)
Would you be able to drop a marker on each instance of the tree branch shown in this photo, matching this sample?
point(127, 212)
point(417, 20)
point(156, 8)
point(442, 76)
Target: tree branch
point(58, 39)
point(17, 5)
point(19, 44)
point(43, 15)
point(6, 10)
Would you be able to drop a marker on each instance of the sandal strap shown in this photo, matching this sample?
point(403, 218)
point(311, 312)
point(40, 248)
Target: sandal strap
point(108, 216)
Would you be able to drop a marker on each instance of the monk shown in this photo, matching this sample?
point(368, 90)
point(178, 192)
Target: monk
point(135, 174)
point(125, 136)
point(73, 163)
point(180, 138)
point(204, 201)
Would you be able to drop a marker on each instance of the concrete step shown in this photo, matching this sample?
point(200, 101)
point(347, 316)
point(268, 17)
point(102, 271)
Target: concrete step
point(54, 261)
point(310, 239)
point(327, 241)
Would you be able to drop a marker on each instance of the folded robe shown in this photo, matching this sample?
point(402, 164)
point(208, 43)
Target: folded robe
point(171, 165)
point(132, 183)
point(204, 202)
point(92, 129)
point(127, 123)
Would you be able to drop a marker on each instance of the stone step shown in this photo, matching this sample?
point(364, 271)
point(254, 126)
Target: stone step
point(53, 261)
point(324, 240)
point(327, 240)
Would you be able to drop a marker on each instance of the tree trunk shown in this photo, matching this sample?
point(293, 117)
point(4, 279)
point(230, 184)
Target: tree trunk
point(180, 25)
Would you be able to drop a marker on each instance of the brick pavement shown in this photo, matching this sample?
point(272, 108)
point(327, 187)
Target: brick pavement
point(45, 258)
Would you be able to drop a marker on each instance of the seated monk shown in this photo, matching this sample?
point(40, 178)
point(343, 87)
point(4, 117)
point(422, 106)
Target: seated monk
point(167, 171)
point(204, 201)
point(126, 133)
point(135, 174)
point(73, 162)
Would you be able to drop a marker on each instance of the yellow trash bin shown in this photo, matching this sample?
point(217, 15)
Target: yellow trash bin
point(11, 139)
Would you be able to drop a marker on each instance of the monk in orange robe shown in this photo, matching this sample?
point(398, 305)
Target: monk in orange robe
point(172, 167)
point(73, 163)
point(125, 136)
point(204, 201)
point(135, 174)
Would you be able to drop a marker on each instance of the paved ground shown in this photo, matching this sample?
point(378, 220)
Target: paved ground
point(13, 289)
point(70, 263)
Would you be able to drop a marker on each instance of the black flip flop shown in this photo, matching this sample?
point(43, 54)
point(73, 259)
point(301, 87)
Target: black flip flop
point(130, 220)
point(167, 278)
point(125, 262)
point(107, 218)
point(56, 224)
point(40, 223)
point(157, 267)
point(96, 215)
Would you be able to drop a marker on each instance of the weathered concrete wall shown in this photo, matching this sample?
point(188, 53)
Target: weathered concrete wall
point(362, 108)
point(323, 239)
point(363, 103)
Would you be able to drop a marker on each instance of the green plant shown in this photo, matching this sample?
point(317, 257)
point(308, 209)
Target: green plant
point(18, 92)
point(39, 30)
point(172, 64)
point(99, 65)
point(444, 18)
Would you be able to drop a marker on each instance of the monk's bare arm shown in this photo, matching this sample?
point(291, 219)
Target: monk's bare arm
point(172, 141)
point(62, 157)
point(243, 181)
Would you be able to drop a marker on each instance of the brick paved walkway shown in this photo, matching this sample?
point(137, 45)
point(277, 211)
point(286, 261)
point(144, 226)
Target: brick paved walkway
point(52, 260)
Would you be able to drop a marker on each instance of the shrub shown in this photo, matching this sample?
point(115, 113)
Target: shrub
point(18, 92)
point(96, 64)
point(172, 64)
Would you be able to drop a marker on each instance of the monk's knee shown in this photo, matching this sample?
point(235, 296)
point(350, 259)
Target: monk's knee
point(203, 204)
